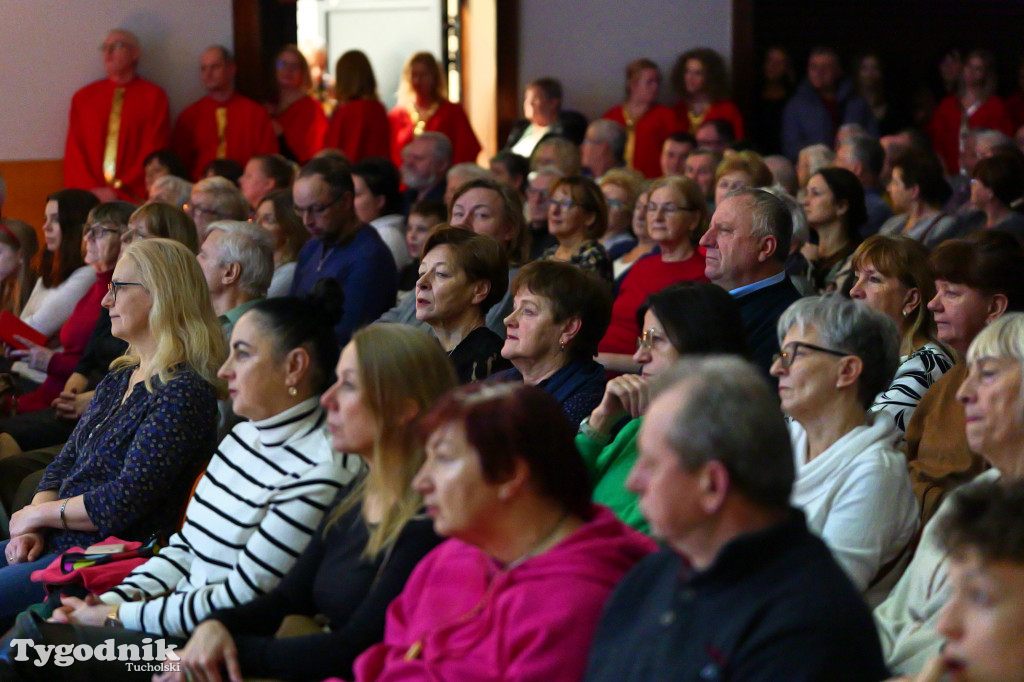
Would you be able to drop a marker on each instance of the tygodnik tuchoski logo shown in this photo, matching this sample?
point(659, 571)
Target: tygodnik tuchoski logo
point(154, 655)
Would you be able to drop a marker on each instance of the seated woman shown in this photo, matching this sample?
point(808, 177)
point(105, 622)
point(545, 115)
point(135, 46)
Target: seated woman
point(516, 592)
point(918, 190)
point(997, 194)
point(559, 315)
point(834, 205)
point(276, 214)
point(378, 202)
point(644, 244)
point(298, 118)
point(359, 559)
point(577, 218)
point(892, 277)
point(162, 220)
point(102, 247)
point(463, 274)
point(647, 123)
point(852, 485)
point(18, 247)
point(702, 83)
point(741, 170)
point(113, 476)
point(63, 276)
point(619, 187)
point(676, 219)
point(256, 507)
point(682, 319)
point(359, 125)
point(908, 621)
point(172, 190)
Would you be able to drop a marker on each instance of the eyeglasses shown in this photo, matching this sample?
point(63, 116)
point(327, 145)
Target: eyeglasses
point(97, 230)
point(788, 354)
point(564, 204)
point(284, 64)
point(197, 210)
point(316, 209)
point(116, 45)
point(617, 205)
point(114, 285)
point(647, 339)
point(667, 209)
point(536, 193)
point(132, 235)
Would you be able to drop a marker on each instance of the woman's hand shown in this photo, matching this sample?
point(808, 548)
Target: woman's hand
point(26, 520)
point(208, 649)
point(71, 405)
point(625, 394)
point(25, 547)
point(90, 611)
point(37, 357)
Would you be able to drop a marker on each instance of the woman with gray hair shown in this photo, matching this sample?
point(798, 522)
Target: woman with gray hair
point(837, 355)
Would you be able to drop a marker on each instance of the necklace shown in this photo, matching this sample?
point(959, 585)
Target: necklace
point(323, 257)
point(535, 549)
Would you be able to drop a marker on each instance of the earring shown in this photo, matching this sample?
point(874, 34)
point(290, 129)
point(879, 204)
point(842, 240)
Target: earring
point(292, 391)
point(561, 346)
point(906, 313)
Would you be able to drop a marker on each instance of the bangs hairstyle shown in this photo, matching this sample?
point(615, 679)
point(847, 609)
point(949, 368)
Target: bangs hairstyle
point(699, 318)
point(353, 78)
point(570, 292)
point(589, 196)
point(399, 366)
point(478, 255)
point(689, 195)
point(509, 422)
point(116, 213)
point(518, 248)
point(169, 222)
point(990, 261)
point(987, 518)
point(73, 206)
point(906, 261)
point(406, 95)
point(181, 321)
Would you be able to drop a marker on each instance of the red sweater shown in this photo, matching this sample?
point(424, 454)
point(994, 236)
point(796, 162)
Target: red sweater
point(304, 124)
point(74, 336)
point(719, 110)
point(449, 119)
point(648, 276)
point(651, 130)
point(944, 127)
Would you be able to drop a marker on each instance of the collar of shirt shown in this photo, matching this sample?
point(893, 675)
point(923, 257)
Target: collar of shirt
point(750, 288)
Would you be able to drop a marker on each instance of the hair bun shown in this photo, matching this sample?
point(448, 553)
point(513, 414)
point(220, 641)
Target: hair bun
point(329, 300)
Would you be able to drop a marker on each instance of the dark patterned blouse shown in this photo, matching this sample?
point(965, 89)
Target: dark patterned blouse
point(135, 461)
point(590, 256)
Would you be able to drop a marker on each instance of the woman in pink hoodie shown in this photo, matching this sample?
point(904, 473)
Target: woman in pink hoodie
point(516, 592)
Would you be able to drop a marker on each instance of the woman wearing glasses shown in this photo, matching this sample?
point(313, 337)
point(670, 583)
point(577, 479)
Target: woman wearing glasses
point(620, 187)
point(276, 214)
point(577, 219)
point(299, 120)
point(852, 485)
point(676, 218)
point(214, 199)
point(150, 428)
point(161, 220)
point(685, 318)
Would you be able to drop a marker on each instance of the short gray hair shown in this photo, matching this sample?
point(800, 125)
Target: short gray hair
point(248, 245)
point(732, 416)
point(469, 172)
point(854, 328)
point(818, 156)
point(769, 216)
point(228, 200)
point(868, 152)
point(801, 231)
point(612, 133)
point(442, 145)
point(179, 189)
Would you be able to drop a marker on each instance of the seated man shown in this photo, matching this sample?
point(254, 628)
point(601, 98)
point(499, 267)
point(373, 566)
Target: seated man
point(742, 590)
point(603, 148)
point(674, 151)
point(237, 259)
point(215, 198)
point(263, 174)
point(425, 162)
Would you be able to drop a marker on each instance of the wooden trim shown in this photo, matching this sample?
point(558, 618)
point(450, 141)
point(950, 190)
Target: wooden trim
point(745, 66)
point(507, 88)
point(261, 28)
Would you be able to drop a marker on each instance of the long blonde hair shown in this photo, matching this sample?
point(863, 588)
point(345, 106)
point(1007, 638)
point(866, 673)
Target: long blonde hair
point(398, 364)
point(182, 321)
point(406, 95)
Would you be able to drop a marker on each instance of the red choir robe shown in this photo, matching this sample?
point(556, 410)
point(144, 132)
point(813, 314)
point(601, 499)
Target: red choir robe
point(651, 130)
point(719, 110)
point(944, 126)
point(248, 133)
point(304, 124)
point(449, 119)
point(360, 128)
point(145, 128)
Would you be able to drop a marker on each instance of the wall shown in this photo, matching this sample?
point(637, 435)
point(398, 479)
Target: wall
point(587, 45)
point(50, 50)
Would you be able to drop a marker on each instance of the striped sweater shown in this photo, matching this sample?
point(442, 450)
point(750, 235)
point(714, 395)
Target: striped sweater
point(261, 499)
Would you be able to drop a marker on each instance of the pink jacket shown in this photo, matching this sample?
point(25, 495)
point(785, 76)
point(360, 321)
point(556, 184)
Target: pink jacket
point(461, 618)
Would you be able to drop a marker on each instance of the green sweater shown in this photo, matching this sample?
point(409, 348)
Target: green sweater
point(609, 465)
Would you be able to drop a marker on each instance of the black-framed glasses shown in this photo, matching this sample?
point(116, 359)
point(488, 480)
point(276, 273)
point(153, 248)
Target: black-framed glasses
point(316, 209)
point(96, 230)
point(114, 285)
point(788, 354)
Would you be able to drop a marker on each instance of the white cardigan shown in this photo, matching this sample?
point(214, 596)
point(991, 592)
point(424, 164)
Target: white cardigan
point(47, 309)
point(857, 496)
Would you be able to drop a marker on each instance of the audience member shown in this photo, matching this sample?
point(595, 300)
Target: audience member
point(113, 477)
point(560, 314)
point(997, 194)
point(682, 319)
point(917, 191)
point(229, 169)
point(892, 277)
point(864, 157)
point(63, 275)
point(171, 190)
point(538, 192)
point(425, 162)
point(644, 244)
point(213, 199)
point(810, 160)
point(558, 152)
point(298, 118)
point(223, 124)
point(237, 259)
point(717, 134)
point(990, 393)
point(423, 107)
point(741, 170)
point(342, 247)
point(604, 147)
point(677, 147)
point(359, 125)
point(378, 202)
point(161, 220)
point(463, 275)
point(834, 204)
point(161, 163)
point(619, 187)
point(422, 218)
point(18, 247)
point(265, 173)
point(783, 173)
point(511, 169)
point(542, 104)
point(676, 218)
point(647, 123)
point(115, 123)
point(702, 83)
point(851, 482)
point(822, 103)
point(577, 219)
point(459, 174)
point(737, 592)
point(700, 167)
point(746, 247)
point(797, 267)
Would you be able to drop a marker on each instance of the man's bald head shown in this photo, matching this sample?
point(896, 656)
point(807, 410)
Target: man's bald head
point(121, 52)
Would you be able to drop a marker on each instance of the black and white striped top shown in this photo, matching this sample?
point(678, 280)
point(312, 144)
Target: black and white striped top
point(915, 375)
point(261, 499)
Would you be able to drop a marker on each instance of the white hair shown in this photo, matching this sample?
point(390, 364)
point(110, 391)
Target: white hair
point(248, 245)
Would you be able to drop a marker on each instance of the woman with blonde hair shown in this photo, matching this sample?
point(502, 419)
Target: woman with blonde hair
point(298, 118)
point(359, 125)
point(18, 246)
point(114, 475)
point(423, 106)
point(647, 123)
point(276, 214)
point(161, 220)
point(742, 170)
point(620, 187)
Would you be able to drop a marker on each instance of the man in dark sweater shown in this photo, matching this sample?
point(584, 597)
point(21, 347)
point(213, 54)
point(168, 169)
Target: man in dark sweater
point(747, 244)
point(742, 590)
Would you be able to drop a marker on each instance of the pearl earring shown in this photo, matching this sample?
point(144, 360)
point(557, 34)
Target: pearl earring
point(292, 391)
